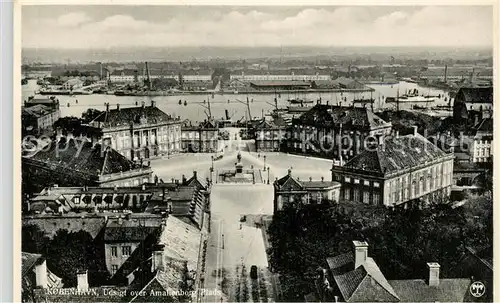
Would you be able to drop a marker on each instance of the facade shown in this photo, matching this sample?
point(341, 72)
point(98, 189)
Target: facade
point(356, 277)
point(289, 76)
point(52, 102)
point(480, 141)
point(72, 84)
point(123, 75)
point(334, 131)
point(269, 135)
point(141, 132)
point(123, 236)
point(273, 85)
point(39, 117)
point(76, 162)
point(472, 100)
point(291, 192)
point(203, 138)
point(399, 170)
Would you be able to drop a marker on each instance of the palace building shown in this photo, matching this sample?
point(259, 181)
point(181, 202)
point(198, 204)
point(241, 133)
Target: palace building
point(399, 170)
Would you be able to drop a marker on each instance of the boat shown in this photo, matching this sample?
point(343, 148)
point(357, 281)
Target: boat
point(419, 107)
point(300, 101)
point(411, 99)
point(180, 102)
point(54, 92)
point(364, 101)
point(185, 103)
point(443, 107)
point(82, 92)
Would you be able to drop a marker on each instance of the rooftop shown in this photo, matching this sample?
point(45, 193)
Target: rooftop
point(476, 94)
point(280, 83)
point(83, 157)
point(289, 182)
point(335, 116)
point(126, 116)
point(397, 153)
point(37, 110)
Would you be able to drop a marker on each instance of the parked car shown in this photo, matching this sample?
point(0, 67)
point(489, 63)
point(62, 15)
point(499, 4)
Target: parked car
point(253, 272)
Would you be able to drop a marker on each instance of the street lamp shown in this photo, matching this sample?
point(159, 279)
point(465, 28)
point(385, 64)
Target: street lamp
point(268, 175)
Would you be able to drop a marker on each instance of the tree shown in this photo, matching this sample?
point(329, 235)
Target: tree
point(90, 115)
point(33, 239)
point(70, 252)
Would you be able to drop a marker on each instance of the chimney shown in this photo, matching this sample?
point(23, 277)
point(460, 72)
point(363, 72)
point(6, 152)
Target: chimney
point(397, 134)
point(82, 280)
point(195, 174)
point(360, 253)
point(143, 104)
point(290, 172)
point(153, 103)
point(107, 107)
point(184, 180)
point(41, 274)
point(415, 130)
point(118, 106)
point(433, 274)
point(157, 260)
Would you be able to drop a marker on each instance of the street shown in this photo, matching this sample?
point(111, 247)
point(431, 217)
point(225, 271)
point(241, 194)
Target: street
point(234, 246)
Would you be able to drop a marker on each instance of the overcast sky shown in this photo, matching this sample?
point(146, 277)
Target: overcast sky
point(121, 26)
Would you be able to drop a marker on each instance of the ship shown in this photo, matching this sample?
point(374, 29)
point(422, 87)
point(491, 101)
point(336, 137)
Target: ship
point(364, 101)
point(410, 99)
point(54, 92)
point(300, 101)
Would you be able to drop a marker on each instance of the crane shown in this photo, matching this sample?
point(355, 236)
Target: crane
point(248, 107)
point(207, 107)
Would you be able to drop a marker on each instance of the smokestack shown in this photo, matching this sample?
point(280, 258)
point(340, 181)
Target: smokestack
point(41, 275)
point(433, 274)
point(445, 73)
point(153, 103)
point(118, 106)
point(107, 107)
point(184, 180)
point(360, 253)
point(157, 261)
point(82, 280)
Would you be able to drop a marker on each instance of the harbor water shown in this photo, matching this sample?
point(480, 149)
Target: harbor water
point(235, 104)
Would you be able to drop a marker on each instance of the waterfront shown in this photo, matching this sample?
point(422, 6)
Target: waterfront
point(262, 103)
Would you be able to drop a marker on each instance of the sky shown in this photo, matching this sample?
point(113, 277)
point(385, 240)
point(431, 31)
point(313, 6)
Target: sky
point(101, 27)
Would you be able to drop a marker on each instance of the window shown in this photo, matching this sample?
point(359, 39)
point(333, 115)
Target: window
point(319, 197)
point(126, 250)
point(376, 198)
point(367, 183)
point(114, 269)
point(77, 200)
point(347, 179)
point(356, 195)
point(356, 181)
point(376, 184)
point(347, 194)
point(114, 251)
point(366, 197)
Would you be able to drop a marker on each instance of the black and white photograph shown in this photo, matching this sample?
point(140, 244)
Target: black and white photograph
point(256, 153)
